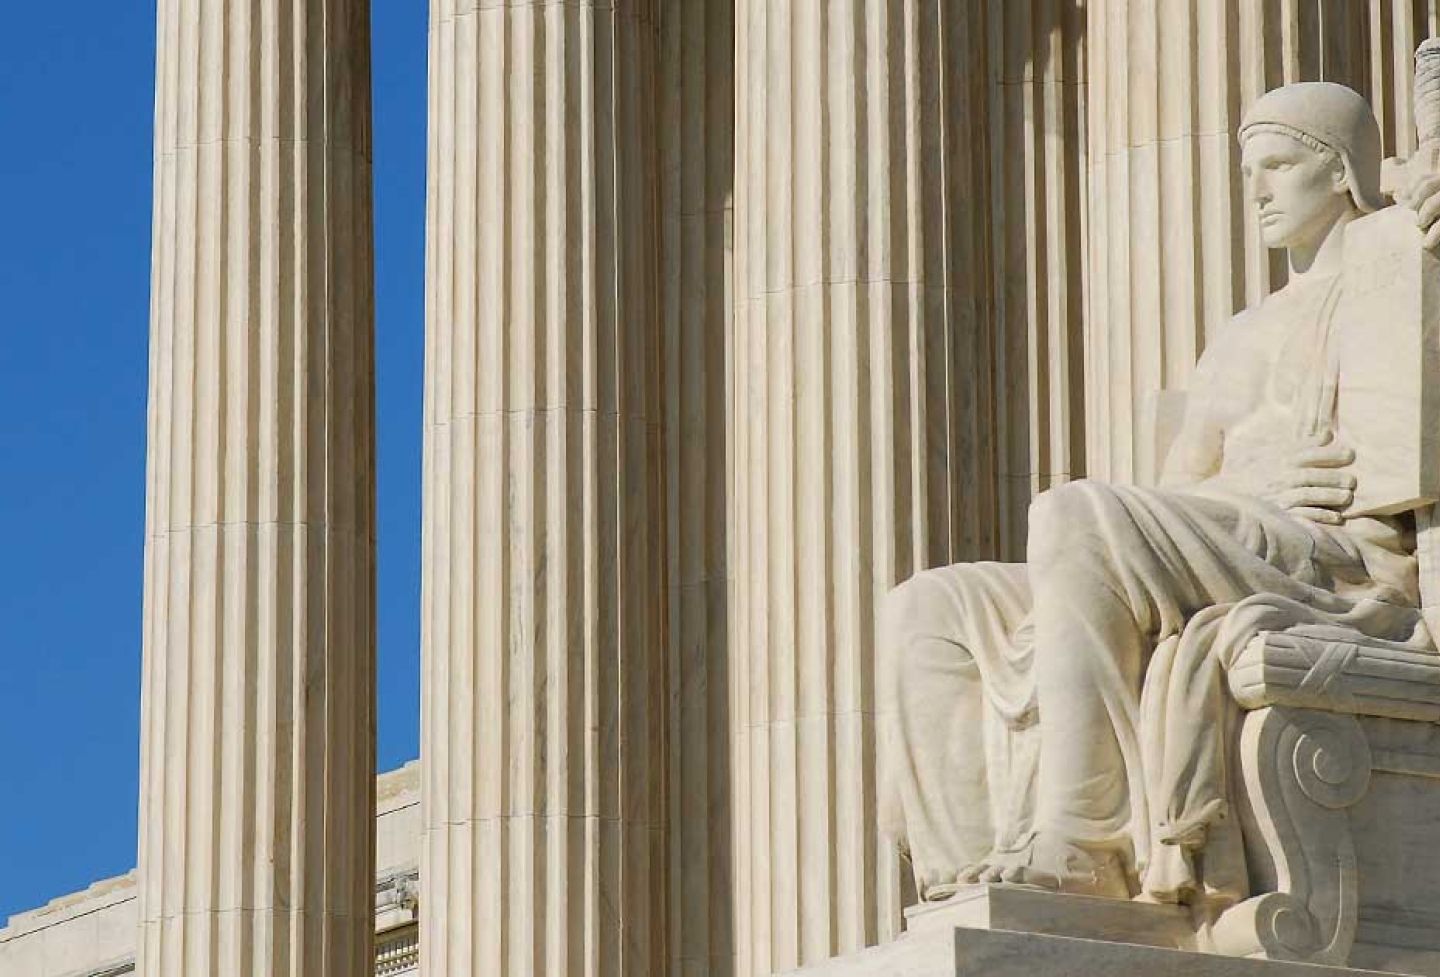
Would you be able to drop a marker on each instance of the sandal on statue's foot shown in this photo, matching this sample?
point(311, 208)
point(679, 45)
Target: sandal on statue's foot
point(975, 873)
point(1061, 866)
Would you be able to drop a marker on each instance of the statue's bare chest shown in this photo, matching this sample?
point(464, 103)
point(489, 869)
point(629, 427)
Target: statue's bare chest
point(1274, 370)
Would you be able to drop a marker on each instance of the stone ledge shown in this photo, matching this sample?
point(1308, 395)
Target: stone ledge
point(1022, 909)
point(944, 951)
point(98, 897)
point(1004, 930)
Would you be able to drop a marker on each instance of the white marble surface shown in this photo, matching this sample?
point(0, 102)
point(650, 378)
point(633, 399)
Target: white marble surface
point(258, 712)
point(1026, 910)
point(978, 953)
point(544, 685)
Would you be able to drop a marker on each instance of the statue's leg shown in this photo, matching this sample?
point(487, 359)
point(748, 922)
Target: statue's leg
point(1112, 569)
point(947, 788)
point(1091, 638)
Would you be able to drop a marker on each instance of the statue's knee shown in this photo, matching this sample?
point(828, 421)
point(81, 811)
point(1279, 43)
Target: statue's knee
point(1060, 520)
point(921, 625)
point(920, 604)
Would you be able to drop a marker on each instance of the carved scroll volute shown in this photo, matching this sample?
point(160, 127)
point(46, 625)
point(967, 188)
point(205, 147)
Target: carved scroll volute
point(1301, 771)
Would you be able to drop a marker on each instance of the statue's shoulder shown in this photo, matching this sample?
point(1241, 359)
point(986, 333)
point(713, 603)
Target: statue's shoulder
point(1259, 317)
point(1238, 336)
point(1246, 317)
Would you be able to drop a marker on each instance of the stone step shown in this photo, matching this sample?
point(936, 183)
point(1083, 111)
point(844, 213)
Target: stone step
point(943, 951)
point(1014, 931)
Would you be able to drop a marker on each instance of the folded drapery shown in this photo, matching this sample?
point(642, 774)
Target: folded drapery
point(1146, 596)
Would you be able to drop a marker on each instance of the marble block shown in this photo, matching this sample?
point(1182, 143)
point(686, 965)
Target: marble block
point(1023, 909)
point(996, 930)
point(950, 951)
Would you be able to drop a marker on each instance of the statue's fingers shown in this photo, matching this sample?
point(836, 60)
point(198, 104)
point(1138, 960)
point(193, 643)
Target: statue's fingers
point(1432, 238)
point(1429, 209)
point(1424, 187)
point(1329, 498)
point(1327, 517)
point(1325, 456)
point(1324, 478)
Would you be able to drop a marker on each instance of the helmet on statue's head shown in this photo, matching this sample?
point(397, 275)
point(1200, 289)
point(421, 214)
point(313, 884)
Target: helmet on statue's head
point(1326, 117)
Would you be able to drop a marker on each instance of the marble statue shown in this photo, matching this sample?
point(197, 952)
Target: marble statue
point(1066, 722)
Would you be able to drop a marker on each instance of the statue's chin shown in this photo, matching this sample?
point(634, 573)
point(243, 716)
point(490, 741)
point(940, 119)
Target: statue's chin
point(1275, 236)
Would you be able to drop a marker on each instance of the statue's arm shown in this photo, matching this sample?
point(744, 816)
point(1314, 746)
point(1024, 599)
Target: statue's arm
point(1195, 454)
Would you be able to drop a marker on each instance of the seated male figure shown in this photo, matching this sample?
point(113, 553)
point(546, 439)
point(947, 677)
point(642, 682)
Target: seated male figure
point(1064, 722)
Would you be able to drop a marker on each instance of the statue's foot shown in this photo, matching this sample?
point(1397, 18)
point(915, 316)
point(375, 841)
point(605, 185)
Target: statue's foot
point(941, 892)
point(994, 867)
point(1053, 864)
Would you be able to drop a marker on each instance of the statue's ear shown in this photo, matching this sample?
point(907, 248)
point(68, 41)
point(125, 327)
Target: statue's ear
point(1340, 174)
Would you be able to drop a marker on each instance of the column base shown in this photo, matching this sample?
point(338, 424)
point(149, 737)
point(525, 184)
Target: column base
point(1006, 931)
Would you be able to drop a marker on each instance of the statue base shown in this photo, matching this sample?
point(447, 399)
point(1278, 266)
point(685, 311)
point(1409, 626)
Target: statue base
point(1009, 931)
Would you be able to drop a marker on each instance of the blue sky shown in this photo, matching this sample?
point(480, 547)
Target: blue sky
point(76, 93)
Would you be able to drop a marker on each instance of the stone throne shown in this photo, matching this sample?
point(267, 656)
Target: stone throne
point(1340, 805)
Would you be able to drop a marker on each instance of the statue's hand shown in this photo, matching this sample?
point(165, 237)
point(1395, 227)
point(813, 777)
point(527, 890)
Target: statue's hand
point(1309, 482)
point(1424, 197)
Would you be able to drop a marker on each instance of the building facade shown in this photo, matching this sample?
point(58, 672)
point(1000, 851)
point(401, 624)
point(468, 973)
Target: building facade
point(739, 312)
point(94, 933)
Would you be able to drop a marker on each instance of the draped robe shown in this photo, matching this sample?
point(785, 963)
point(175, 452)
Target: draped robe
point(1120, 626)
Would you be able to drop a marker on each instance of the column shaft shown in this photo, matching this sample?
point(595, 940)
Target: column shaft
point(1031, 109)
point(861, 385)
point(543, 715)
point(257, 774)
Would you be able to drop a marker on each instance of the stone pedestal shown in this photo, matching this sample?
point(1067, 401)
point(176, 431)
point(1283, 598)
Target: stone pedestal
point(962, 952)
point(544, 682)
point(1004, 931)
point(1025, 910)
point(258, 718)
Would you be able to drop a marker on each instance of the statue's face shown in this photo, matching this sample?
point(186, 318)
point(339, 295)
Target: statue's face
point(1298, 193)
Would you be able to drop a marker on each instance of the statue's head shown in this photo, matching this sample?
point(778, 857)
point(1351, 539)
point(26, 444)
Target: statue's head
point(1310, 153)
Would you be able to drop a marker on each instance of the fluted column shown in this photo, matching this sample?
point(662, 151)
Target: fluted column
point(1173, 253)
point(859, 352)
point(544, 680)
point(257, 775)
point(1029, 55)
point(697, 123)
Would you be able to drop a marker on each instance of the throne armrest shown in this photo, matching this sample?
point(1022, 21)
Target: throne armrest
point(1336, 670)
